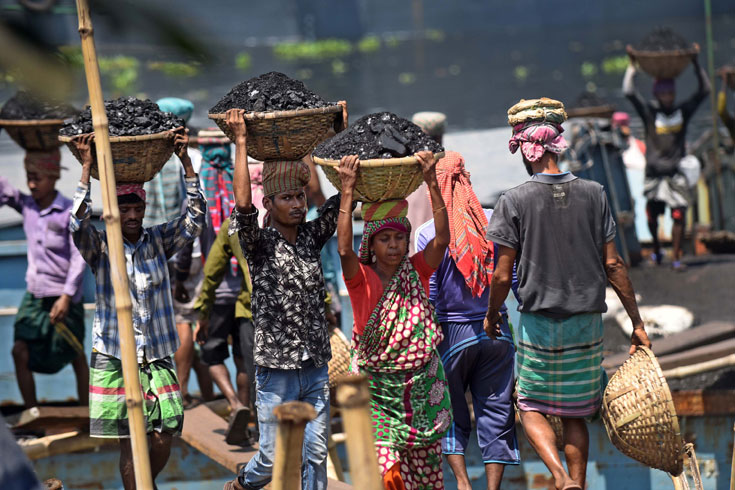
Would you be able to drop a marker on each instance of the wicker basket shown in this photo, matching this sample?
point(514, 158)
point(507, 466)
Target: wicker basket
point(135, 158)
point(380, 179)
point(639, 414)
point(283, 135)
point(664, 64)
point(599, 111)
point(34, 134)
point(340, 362)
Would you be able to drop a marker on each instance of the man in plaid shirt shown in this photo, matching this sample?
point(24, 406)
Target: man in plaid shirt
point(147, 251)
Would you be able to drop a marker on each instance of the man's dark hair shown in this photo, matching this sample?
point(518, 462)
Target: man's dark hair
point(129, 199)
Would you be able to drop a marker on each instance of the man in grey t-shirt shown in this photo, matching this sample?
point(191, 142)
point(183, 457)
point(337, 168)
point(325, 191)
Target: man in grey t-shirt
point(559, 230)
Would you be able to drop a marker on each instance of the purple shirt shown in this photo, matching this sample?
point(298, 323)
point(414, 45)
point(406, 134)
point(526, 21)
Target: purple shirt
point(448, 291)
point(55, 266)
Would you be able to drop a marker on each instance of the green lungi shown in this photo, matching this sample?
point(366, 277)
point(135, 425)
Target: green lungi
point(163, 407)
point(51, 347)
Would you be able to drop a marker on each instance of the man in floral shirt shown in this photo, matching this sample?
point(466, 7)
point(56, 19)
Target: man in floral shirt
point(291, 337)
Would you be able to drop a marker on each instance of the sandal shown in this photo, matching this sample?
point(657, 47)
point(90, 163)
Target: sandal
point(237, 430)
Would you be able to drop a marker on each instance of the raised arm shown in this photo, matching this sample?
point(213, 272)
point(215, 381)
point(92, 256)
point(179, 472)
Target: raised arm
point(11, 196)
point(241, 179)
point(632, 94)
point(347, 170)
point(87, 239)
point(617, 276)
point(690, 105)
point(434, 251)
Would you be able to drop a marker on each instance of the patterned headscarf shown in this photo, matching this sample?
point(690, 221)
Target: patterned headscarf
point(379, 216)
point(468, 247)
point(536, 138)
point(283, 176)
point(125, 189)
point(44, 162)
point(217, 172)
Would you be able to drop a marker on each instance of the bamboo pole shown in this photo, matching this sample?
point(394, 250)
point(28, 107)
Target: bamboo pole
point(118, 270)
point(353, 396)
point(292, 418)
point(701, 367)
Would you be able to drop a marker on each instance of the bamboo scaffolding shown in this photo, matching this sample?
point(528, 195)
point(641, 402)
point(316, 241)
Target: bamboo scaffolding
point(292, 418)
point(353, 396)
point(118, 271)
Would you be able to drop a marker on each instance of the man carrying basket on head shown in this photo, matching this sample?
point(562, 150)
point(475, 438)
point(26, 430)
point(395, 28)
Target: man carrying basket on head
point(288, 301)
point(560, 231)
point(147, 251)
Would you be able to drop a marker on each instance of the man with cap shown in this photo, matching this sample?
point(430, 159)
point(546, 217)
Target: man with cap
point(559, 231)
point(49, 326)
point(288, 300)
point(147, 251)
point(665, 124)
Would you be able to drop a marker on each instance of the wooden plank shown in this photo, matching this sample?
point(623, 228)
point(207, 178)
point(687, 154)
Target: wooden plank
point(702, 402)
point(69, 442)
point(46, 418)
point(204, 430)
point(698, 354)
point(704, 334)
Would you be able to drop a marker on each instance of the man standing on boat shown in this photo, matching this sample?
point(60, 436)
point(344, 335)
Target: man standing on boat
point(560, 231)
point(147, 251)
point(288, 300)
point(49, 326)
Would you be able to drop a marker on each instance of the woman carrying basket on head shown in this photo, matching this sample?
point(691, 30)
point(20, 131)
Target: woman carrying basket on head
point(395, 333)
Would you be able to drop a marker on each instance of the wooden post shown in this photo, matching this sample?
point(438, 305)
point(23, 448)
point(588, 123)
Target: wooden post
point(353, 397)
point(118, 271)
point(292, 418)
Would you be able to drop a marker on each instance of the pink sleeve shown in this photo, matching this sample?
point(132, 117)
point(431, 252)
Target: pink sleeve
point(419, 263)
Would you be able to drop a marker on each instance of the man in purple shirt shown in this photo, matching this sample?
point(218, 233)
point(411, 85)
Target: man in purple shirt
point(459, 290)
point(49, 326)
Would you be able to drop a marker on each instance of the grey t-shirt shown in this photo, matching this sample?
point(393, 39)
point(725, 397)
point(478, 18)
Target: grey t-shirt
point(559, 225)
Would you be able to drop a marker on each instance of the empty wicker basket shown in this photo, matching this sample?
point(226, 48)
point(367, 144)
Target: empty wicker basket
point(340, 362)
point(380, 179)
point(34, 134)
point(134, 158)
point(639, 414)
point(283, 135)
point(664, 64)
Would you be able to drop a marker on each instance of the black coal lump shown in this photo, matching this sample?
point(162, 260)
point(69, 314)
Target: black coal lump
point(25, 106)
point(271, 91)
point(663, 39)
point(378, 135)
point(127, 116)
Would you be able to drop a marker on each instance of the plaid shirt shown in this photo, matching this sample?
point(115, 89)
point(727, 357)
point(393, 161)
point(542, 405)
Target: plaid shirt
point(146, 262)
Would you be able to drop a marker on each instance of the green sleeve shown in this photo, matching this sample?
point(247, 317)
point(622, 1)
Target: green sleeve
point(215, 267)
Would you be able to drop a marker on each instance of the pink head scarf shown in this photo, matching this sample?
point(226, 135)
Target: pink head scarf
point(536, 138)
point(125, 189)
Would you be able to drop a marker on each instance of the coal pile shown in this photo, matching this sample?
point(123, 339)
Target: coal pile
point(589, 99)
point(127, 116)
point(24, 106)
point(272, 91)
point(663, 39)
point(378, 135)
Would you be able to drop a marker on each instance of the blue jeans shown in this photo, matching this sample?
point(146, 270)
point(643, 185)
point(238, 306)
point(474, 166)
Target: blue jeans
point(276, 386)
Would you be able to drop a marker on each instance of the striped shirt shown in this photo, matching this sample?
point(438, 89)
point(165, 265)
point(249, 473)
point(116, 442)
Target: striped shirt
point(146, 262)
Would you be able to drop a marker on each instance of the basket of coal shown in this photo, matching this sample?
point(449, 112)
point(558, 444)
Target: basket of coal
point(639, 414)
point(33, 122)
point(284, 119)
point(386, 145)
point(663, 53)
point(537, 110)
point(590, 105)
point(140, 137)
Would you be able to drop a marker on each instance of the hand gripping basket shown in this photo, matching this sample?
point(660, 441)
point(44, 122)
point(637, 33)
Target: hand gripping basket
point(664, 64)
point(639, 414)
point(340, 362)
point(134, 158)
point(283, 135)
point(381, 179)
point(34, 134)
